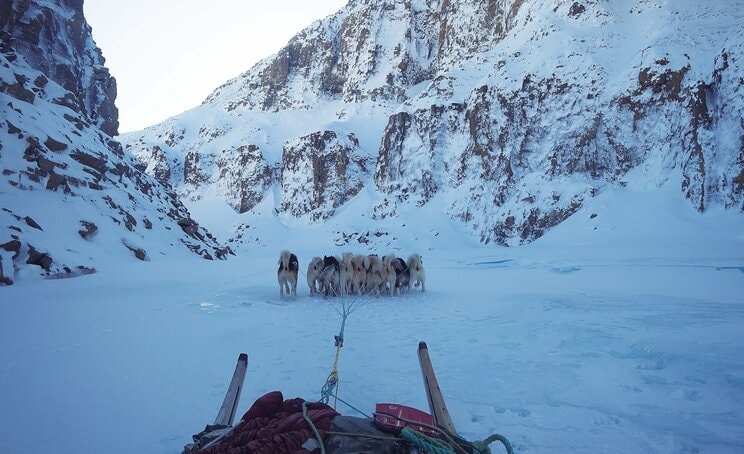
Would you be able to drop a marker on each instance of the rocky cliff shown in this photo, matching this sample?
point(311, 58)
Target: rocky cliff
point(71, 200)
point(512, 111)
point(320, 172)
point(55, 39)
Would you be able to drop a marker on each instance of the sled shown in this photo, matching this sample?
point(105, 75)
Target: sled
point(415, 431)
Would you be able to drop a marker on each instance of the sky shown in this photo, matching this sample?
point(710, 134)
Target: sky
point(168, 55)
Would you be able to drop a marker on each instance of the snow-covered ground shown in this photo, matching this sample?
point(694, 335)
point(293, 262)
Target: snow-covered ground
point(615, 333)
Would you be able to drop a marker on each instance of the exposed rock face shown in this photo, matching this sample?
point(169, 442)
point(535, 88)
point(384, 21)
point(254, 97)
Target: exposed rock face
point(370, 50)
point(514, 112)
point(58, 159)
point(89, 229)
point(56, 40)
point(320, 172)
point(195, 168)
point(239, 173)
point(158, 166)
point(467, 27)
point(508, 139)
point(244, 176)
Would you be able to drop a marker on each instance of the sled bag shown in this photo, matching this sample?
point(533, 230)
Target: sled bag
point(389, 417)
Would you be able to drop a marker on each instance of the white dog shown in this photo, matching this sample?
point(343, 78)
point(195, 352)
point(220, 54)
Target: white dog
point(313, 274)
point(359, 277)
point(389, 276)
point(374, 274)
point(346, 275)
point(416, 268)
point(287, 273)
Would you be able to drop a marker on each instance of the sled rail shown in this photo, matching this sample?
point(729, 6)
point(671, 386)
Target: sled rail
point(437, 407)
point(222, 427)
point(226, 415)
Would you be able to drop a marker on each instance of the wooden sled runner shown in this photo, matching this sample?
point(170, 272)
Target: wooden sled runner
point(222, 426)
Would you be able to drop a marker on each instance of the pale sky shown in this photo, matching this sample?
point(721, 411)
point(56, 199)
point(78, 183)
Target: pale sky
point(168, 55)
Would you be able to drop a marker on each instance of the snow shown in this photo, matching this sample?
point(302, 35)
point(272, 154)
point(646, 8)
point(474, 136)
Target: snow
point(620, 332)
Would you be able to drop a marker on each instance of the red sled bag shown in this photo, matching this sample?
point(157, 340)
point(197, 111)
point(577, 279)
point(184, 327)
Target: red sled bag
point(394, 417)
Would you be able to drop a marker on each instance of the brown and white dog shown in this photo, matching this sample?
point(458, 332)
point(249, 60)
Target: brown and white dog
point(389, 277)
point(346, 275)
point(287, 273)
point(313, 274)
point(416, 270)
point(359, 276)
point(374, 274)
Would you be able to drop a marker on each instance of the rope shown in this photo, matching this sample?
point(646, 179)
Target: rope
point(432, 445)
point(359, 435)
point(425, 442)
point(330, 388)
point(312, 426)
point(332, 381)
point(353, 407)
point(452, 445)
point(482, 446)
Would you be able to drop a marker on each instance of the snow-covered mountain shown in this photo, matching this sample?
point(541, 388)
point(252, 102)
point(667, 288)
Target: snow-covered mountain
point(69, 195)
point(511, 113)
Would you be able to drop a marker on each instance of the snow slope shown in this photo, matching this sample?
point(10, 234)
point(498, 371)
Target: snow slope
point(515, 113)
point(622, 330)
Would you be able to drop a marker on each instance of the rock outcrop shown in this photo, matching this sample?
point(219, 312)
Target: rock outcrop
point(320, 172)
point(244, 176)
point(55, 40)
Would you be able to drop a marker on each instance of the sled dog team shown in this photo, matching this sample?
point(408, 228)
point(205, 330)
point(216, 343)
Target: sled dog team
point(352, 274)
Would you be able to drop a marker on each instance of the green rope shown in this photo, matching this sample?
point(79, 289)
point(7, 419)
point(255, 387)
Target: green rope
point(352, 407)
point(435, 446)
point(428, 444)
point(312, 426)
point(482, 446)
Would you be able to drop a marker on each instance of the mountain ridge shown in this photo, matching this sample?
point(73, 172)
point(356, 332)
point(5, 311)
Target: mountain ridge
point(518, 126)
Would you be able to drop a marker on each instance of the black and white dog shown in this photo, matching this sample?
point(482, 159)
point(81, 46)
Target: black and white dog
point(287, 273)
point(330, 276)
point(402, 275)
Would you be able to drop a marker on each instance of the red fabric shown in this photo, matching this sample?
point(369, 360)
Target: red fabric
point(275, 425)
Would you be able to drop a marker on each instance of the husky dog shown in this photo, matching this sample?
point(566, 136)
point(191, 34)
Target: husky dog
point(287, 273)
point(416, 268)
point(330, 276)
point(402, 275)
point(346, 275)
point(389, 277)
point(374, 273)
point(359, 276)
point(313, 274)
